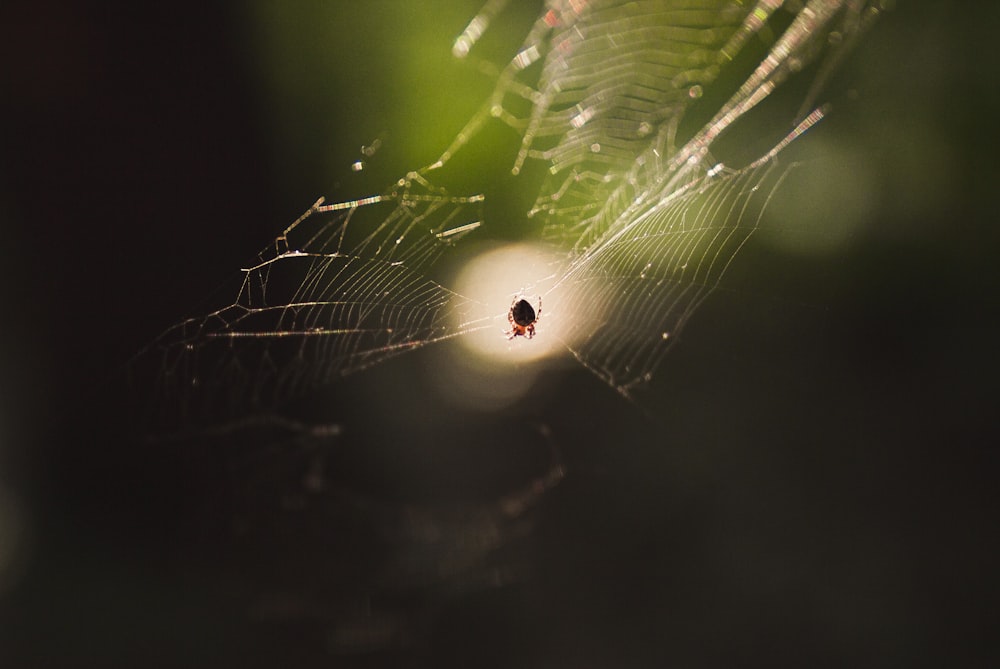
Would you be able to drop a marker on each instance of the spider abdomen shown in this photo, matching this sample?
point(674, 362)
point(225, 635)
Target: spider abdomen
point(523, 313)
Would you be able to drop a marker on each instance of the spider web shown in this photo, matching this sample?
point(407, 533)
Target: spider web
point(641, 221)
point(336, 292)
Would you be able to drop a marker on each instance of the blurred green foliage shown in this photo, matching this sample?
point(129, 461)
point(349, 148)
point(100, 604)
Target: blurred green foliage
point(335, 76)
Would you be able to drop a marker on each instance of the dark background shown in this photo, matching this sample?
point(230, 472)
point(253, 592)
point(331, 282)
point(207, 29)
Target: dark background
point(816, 487)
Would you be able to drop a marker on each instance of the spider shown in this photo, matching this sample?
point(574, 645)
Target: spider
point(522, 318)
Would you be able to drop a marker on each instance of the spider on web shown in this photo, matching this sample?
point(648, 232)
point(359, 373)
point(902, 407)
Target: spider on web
point(522, 318)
